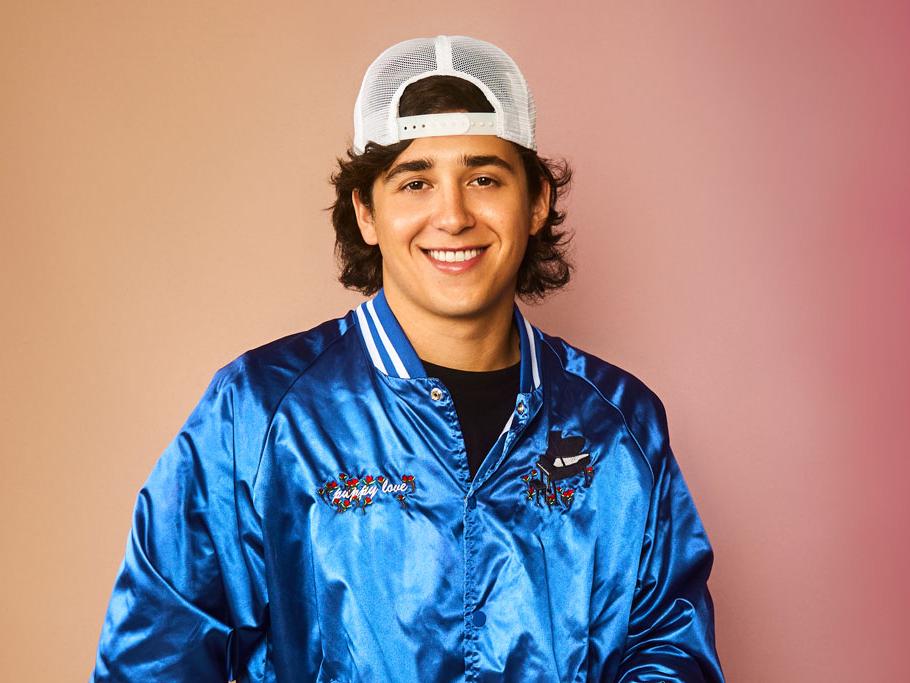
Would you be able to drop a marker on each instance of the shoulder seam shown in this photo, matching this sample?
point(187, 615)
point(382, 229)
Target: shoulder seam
point(625, 422)
point(280, 401)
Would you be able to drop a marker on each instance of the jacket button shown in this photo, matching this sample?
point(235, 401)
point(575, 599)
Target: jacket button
point(479, 618)
point(436, 393)
point(520, 408)
point(472, 502)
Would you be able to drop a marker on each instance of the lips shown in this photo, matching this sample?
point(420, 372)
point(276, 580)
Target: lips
point(455, 260)
point(454, 255)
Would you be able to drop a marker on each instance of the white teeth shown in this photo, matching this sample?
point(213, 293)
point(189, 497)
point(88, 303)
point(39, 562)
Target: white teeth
point(453, 256)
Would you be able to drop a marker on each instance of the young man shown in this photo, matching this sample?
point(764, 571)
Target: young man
point(428, 488)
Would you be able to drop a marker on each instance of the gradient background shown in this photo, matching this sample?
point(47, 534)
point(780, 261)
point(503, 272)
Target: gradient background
point(741, 211)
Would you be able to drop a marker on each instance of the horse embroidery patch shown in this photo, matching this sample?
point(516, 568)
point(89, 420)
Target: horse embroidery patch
point(359, 493)
point(562, 460)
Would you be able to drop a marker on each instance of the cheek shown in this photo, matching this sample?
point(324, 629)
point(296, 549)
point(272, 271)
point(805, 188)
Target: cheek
point(401, 231)
point(508, 211)
point(397, 233)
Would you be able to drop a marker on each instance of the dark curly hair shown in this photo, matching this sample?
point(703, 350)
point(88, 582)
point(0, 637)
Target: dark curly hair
point(545, 266)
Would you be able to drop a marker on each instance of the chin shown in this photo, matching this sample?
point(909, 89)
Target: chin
point(466, 305)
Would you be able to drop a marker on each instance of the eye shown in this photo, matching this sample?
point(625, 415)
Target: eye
point(413, 186)
point(486, 181)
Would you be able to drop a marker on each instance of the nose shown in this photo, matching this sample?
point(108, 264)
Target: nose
point(451, 212)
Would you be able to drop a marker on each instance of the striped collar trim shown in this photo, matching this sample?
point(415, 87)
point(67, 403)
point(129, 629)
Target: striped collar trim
point(392, 354)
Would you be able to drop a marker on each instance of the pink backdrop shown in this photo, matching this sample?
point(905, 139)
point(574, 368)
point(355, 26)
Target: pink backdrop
point(741, 211)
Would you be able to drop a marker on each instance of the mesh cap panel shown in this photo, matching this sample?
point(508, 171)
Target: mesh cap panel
point(481, 63)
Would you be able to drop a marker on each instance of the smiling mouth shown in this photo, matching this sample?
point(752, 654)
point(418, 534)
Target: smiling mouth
point(455, 262)
point(454, 255)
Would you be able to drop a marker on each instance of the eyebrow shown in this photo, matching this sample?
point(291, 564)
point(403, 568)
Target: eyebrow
point(408, 166)
point(469, 161)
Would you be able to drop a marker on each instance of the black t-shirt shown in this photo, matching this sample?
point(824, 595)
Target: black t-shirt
point(483, 401)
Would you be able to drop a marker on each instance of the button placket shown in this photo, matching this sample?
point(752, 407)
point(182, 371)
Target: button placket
point(471, 531)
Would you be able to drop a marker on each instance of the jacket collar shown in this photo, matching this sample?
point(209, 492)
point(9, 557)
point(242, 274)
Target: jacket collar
point(392, 353)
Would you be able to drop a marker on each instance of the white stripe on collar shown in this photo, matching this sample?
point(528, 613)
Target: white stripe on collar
point(390, 350)
point(533, 353)
point(368, 338)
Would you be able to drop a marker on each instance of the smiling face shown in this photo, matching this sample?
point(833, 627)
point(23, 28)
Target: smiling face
point(452, 217)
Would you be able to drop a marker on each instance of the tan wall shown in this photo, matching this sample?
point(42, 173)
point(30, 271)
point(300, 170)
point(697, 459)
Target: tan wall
point(742, 213)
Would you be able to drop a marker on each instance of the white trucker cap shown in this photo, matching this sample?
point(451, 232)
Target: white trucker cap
point(483, 64)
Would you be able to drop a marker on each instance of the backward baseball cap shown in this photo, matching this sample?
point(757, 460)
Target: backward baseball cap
point(488, 67)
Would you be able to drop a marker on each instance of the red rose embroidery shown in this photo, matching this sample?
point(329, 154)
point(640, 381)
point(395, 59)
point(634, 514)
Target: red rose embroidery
point(341, 495)
point(541, 489)
point(589, 475)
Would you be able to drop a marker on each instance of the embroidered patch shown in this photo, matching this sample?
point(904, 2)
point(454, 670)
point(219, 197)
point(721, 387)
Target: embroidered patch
point(359, 493)
point(562, 460)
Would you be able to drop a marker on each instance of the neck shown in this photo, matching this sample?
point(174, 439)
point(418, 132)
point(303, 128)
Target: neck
point(487, 341)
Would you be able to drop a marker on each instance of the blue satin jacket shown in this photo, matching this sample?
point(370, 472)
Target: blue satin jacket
point(315, 520)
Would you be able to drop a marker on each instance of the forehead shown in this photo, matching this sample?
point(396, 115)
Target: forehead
point(452, 149)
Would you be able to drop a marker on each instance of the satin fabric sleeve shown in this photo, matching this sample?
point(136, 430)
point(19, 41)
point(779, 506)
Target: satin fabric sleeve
point(169, 617)
point(671, 626)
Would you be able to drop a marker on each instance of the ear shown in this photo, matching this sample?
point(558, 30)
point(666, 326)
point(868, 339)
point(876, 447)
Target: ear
point(364, 219)
point(540, 208)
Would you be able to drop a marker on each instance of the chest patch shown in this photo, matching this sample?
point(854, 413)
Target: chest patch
point(559, 471)
point(360, 492)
